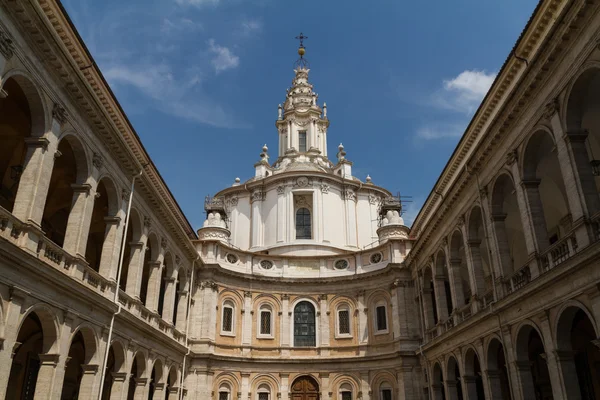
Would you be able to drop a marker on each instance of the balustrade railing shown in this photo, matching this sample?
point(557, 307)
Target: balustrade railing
point(518, 279)
point(487, 298)
point(559, 252)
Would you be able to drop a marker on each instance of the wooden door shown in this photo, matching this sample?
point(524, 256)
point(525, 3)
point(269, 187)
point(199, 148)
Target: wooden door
point(305, 388)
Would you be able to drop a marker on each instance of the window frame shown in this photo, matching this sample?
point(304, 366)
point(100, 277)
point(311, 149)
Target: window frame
point(300, 133)
point(376, 329)
point(310, 237)
point(263, 389)
point(345, 388)
point(228, 304)
point(265, 308)
point(224, 389)
point(293, 325)
point(338, 333)
point(386, 387)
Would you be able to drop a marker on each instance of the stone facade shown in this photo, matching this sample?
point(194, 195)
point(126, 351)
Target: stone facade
point(107, 292)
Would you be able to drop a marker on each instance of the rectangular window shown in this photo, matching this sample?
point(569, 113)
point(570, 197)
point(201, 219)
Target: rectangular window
point(381, 318)
point(344, 322)
point(223, 396)
point(346, 396)
point(263, 396)
point(302, 141)
point(227, 319)
point(386, 394)
point(265, 322)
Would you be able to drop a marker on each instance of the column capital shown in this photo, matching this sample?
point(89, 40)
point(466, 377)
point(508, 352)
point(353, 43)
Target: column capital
point(498, 217)
point(119, 376)
point(83, 188)
point(136, 245)
point(90, 368)
point(37, 142)
point(112, 220)
point(576, 135)
point(530, 183)
point(140, 381)
point(49, 359)
point(474, 242)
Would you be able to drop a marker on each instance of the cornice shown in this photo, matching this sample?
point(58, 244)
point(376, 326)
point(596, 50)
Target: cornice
point(545, 38)
point(50, 33)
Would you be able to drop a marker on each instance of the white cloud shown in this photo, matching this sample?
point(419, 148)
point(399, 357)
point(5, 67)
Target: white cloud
point(223, 58)
point(198, 3)
point(251, 26)
point(464, 92)
point(438, 131)
point(182, 25)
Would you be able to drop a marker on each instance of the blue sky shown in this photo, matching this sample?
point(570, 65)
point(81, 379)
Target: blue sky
point(201, 79)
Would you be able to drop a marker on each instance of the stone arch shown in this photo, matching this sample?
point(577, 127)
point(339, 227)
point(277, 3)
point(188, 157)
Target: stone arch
point(265, 380)
point(343, 381)
point(508, 226)
point(21, 118)
point(90, 339)
point(530, 354)
point(82, 354)
point(376, 301)
point(478, 248)
point(429, 301)
point(150, 259)
point(137, 376)
point(384, 381)
point(497, 370)
point(545, 189)
point(306, 385)
point(81, 153)
point(459, 270)
point(227, 381)
point(579, 357)
point(35, 350)
point(49, 324)
point(40, 123)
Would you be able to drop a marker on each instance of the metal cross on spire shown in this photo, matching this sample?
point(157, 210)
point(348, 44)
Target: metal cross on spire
point(301, 38)
point(301, 62)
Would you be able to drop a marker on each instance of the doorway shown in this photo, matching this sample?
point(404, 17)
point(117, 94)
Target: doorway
point(305, 388)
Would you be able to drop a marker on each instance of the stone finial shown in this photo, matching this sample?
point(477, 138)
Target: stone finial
point(264, 156)
point(369, 179)
point(236, 182)
point(324, 110)
point(341, 155)
point(279, 112)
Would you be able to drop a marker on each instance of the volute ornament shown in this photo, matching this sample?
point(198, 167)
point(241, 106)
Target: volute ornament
point(7, 48)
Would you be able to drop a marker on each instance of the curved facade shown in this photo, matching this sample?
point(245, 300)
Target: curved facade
point(303, 283)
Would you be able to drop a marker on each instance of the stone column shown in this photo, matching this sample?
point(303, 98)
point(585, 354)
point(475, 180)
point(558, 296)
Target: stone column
point(452, 390)
point(181, 310)
point(494, 384)
point(284, 378)
point(247, 319)
point(159, 392)
point(582, 173)
point(119, 385)
point(428, 308)
point(64, 344)
point(49, 363)
point(363, 313)
point(437, 390)
point(88, 388)
point(173, 393)
point(524, 209)
point(134, 273)
point(537, 222)
point(440, 298)
point(153, 292)
point(568, 372)
point(285, 325)
point(524, 387)
point(469, 387)
point(364, 386)
point(78, 224)
point(506, 264)
point(109, 258)
point(257, 222)
point(35, 178)
point(169, 301)
point(140, 388)
point(245, 389)
point(14, 310)
point(324, 322)
point(395, 322)
point(208, 310)
point(478, 283)
point(456, 284)
point(406, 379)
point(511, 364)
point(556, 378)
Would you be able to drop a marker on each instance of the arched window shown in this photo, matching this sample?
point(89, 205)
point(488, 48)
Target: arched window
point(227, 318)
point(381, 322)
point(224, 392)
point(345, 392)
point(263, 392)
point(303, 224)
point(343, 324)
point(385, 391)
point(265, 321)
point(304, 325)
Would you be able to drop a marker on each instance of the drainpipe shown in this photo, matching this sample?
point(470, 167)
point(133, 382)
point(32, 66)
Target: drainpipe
point(187, 327)
point(116, 298)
